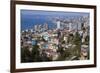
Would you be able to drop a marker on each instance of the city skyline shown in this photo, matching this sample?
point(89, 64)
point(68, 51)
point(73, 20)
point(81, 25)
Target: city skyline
point(29, 18)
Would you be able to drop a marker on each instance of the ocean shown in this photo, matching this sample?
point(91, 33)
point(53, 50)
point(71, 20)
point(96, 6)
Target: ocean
point(29, 18)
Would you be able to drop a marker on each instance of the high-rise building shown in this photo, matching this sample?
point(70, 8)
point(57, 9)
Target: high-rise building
point(45, 26)
point(35, 28)
point(58, 24)
point(70, 26)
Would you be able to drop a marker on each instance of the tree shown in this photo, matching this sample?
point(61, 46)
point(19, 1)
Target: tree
point(77, 39)
point(65, 55)
point(25, 55)
point(35, 53)
point(77, 42)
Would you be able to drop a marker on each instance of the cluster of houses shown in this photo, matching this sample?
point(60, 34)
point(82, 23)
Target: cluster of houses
point(49, 41)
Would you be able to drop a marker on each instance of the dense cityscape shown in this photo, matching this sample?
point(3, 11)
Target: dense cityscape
point(67, 40)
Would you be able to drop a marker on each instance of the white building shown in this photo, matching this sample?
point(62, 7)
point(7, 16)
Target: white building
point(58, 24)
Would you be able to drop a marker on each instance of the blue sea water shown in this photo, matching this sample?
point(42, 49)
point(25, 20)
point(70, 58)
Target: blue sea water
point(29, 18)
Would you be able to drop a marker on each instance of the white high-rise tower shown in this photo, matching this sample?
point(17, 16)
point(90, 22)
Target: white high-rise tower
point(58, 24)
